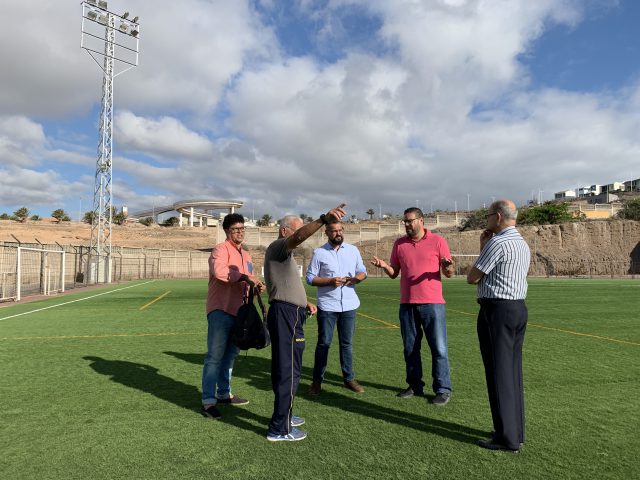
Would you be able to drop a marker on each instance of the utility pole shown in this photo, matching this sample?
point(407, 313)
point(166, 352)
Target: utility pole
point(100, 37)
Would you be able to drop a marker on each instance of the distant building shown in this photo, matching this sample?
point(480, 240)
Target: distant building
point(632, 185)
point(564, 195)
point(614, 187)
point(589, 190)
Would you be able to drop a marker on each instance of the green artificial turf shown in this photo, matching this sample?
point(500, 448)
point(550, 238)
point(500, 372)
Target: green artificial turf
point(99, 388)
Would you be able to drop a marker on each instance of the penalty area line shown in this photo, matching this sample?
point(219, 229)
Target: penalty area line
point(74, 301)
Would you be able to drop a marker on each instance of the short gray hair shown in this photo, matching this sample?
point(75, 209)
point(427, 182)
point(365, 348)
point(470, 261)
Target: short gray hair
point(505, 209)
point(287, 220)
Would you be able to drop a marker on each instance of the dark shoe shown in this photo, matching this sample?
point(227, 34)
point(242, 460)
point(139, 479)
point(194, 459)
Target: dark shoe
point(489, 444)
point(233, 400)
point(315, 389)
point(211, 412)
point(441, 399)
point(408, 393)
point(296, 421)
point(293, 436)
point(493, 435)
point(354, 386)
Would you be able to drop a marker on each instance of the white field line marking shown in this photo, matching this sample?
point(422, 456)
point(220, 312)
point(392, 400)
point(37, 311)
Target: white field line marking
point(73, 301)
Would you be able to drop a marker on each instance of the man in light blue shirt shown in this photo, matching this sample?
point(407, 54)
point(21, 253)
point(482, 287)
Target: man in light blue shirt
point(335, 269)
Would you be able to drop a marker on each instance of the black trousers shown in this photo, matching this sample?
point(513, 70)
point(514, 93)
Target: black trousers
point(501, 328)
point(285, 322)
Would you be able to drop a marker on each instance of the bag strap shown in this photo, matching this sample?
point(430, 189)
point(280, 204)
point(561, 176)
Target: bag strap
point(249, 300)
point(264, 310)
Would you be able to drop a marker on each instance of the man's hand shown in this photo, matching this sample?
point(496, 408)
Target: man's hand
point(311, 309)
point(446, 265)
point(378, 262)
point(338, 281)
point(260, 287)
point(484, 238)
point(337, 213)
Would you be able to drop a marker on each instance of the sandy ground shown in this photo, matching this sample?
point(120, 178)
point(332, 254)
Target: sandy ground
point(133, 235)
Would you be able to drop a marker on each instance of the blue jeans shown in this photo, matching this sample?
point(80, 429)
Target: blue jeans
point(430, 318)
point(346, 322)
point(218, 363)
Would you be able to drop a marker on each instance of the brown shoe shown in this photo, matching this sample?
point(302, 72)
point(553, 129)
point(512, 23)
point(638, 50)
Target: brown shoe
point(315, 388)
point(354, 386)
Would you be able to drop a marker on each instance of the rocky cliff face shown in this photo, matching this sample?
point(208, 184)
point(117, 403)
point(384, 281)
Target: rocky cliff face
point(584, 248)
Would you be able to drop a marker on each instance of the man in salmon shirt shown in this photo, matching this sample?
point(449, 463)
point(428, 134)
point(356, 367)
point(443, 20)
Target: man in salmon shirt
point(422, 256)
point(230, 275)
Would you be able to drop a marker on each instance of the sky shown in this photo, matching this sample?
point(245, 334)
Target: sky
point(295, 106)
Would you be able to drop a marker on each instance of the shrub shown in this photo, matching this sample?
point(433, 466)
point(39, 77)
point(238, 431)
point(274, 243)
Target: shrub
point(630, 210)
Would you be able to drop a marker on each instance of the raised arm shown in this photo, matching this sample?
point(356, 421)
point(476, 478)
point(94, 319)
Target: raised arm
point(304, 232)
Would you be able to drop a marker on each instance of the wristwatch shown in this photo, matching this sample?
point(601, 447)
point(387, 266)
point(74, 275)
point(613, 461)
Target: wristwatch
point(323, 219)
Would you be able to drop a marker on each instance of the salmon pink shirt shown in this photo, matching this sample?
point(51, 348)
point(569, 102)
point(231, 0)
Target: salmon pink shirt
point(227, 263)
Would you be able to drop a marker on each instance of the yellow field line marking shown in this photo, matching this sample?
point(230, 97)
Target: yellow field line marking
point(74, 301)
point(570, 332)
point(584, 334)
point(156, 299)
point(112, 335)
point(378, 320)
point(460, 311)
point(369, 317)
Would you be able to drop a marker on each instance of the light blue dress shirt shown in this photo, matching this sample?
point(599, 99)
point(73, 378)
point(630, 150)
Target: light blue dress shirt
point(344, 261)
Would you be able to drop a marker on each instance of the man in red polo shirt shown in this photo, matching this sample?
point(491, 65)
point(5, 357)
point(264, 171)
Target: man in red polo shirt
point(422, 257)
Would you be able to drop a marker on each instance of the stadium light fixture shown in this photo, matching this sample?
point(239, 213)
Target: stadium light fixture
point(93, 2)
point(135, 19)
point(102, 4)
point(92, 15)
point(125, 15)
point(124, 28)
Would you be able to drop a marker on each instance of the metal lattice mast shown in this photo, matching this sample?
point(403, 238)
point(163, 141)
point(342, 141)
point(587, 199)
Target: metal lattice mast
point(102, 211)
point(96, 42)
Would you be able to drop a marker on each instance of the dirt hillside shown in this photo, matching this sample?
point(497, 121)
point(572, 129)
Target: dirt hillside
point(594, 247)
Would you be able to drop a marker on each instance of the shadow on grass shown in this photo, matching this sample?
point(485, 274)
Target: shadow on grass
point(257, 371)
point(147, 379)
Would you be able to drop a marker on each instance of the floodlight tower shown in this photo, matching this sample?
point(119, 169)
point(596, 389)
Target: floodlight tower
point(119, 48)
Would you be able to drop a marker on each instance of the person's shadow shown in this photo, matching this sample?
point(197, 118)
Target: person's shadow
point(257, 371)
point(147, 379)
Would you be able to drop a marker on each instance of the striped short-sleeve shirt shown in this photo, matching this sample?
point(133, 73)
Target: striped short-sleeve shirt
point(504, 260)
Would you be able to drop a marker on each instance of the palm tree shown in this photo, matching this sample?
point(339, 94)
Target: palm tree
point(265, 220)
point(371, 212)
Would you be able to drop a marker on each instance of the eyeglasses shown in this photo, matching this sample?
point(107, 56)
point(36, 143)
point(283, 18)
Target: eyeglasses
point(237, 229)
point(409, 221)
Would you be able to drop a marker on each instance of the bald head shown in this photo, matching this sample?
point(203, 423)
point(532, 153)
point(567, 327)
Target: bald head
point(502, 214)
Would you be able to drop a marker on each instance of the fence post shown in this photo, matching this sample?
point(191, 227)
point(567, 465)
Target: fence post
point(18, 274)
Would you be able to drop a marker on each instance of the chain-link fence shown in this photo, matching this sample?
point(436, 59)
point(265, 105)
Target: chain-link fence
point(38, 269)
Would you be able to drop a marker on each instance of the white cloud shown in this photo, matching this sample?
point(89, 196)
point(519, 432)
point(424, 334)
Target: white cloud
point(445, 110)
point(165, 137)
point(21, 141)
point(189, 50)
point(46, 190)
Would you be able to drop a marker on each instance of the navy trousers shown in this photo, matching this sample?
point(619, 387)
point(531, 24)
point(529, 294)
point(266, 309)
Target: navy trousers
point(285, 322)
point(501, 328)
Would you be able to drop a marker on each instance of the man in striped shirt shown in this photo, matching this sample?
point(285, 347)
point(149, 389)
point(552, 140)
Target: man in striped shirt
point(501, 275)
